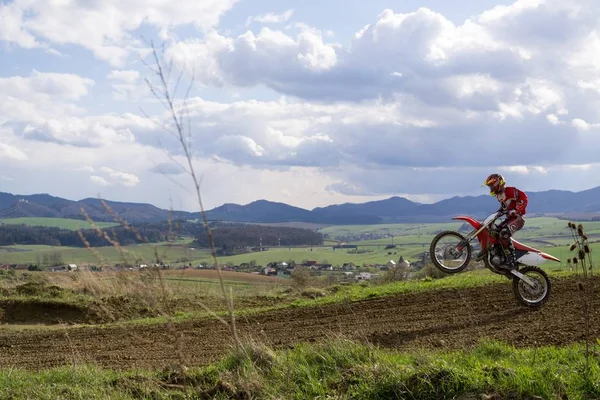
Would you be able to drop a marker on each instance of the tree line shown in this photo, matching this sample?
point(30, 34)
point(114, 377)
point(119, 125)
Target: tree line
point(51, 236)
point(225, 235)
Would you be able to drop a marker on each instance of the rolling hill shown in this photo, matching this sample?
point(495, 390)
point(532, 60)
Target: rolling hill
point(394, 209)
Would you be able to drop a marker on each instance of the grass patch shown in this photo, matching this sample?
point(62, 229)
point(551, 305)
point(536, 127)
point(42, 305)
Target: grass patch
point(336, 368)
point(251, 303)
point(84, 297)
point(355, 292)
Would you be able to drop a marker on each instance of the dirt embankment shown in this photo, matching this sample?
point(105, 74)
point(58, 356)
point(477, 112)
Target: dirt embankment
point(444, 319)
point(40, 303)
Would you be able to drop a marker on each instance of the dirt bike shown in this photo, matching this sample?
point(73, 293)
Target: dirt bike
point(527, 278)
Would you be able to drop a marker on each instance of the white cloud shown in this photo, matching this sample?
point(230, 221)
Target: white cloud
point(411, 99)
point(125, 76)
point(85, 168)
point(524, 169)
point(48, 84)
point(553, 119)
point(78, 132)
point(250, 59)
point(103, 27)
point(582, 125)
point(271, 18)
point(98, 180)
point(127, 85)
point(124, 178)
point(12, 29)
point(41, 95)
point(11, 152)
point(473, 66)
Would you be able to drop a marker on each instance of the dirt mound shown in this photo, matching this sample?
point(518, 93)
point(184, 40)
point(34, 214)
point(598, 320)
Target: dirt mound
point(30, 311)
point(444, 318)
point(49, 311)
point(39, 289)
point(41, 303)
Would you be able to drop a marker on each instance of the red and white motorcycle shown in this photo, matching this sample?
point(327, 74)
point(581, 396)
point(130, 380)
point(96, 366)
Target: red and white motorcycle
point(530, 283)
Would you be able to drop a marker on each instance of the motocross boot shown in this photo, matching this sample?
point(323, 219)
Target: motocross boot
point(511, 260)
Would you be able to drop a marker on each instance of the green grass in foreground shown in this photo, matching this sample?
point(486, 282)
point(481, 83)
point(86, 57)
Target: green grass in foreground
point(64, 223)
point(458, 281)
point(336, 368)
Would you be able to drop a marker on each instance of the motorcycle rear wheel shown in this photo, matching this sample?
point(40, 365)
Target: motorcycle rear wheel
point(449, 251)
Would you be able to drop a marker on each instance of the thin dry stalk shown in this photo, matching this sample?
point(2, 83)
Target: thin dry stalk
point(137, 287)
point(105, 235)
point(165, 96)
point(584, 257)
point(129, 286)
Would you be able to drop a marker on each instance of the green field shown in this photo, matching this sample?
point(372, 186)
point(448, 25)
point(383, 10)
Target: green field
point(402, 229)
point(548, 234)
point(320, 254)
point(63, 223)
point(145, 253)
point(534, 227)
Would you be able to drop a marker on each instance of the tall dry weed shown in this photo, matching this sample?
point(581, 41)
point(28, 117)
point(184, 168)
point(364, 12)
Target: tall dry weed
point(151, 287)
point(181, 130)
point(583, 266)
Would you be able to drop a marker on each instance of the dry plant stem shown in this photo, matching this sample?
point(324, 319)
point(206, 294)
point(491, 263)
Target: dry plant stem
point(177, 339)
point(122, 221)
point(90, 248)
point(580, 242)
point(178, 121)
point(105, 235)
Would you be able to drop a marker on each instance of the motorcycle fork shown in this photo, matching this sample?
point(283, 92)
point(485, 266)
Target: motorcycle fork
point(470, 237)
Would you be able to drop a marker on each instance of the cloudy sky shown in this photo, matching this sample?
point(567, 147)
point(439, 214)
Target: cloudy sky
point(309, 103)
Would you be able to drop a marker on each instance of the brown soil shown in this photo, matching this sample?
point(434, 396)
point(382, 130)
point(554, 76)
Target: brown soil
point(17, 311)
point(444, 319)
point(56, 309)
point(41, 311)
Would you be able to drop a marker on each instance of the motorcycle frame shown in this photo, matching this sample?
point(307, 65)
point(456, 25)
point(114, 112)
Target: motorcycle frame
point(482, 233)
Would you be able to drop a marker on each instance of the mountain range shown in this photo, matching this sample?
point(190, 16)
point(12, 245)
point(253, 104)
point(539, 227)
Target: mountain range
point(393, 209)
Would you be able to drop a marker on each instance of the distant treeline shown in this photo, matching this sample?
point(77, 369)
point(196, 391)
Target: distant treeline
point(225, 235)
point(22, 234)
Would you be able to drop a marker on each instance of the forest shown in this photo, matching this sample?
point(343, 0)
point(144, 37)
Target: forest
point(226, 235)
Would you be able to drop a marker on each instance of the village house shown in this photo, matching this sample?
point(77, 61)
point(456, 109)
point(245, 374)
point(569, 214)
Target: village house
point(348, 266)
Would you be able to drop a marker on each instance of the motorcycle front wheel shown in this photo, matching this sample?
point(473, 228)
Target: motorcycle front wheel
point(445, 255)
point(532, 296)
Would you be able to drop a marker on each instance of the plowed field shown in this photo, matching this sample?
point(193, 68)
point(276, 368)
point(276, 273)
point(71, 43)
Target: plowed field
point(443, 318)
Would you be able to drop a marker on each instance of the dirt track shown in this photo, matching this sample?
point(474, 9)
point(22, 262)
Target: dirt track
point(445, 318)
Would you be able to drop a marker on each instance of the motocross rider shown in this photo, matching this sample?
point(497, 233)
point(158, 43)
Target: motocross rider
point(513, 202)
